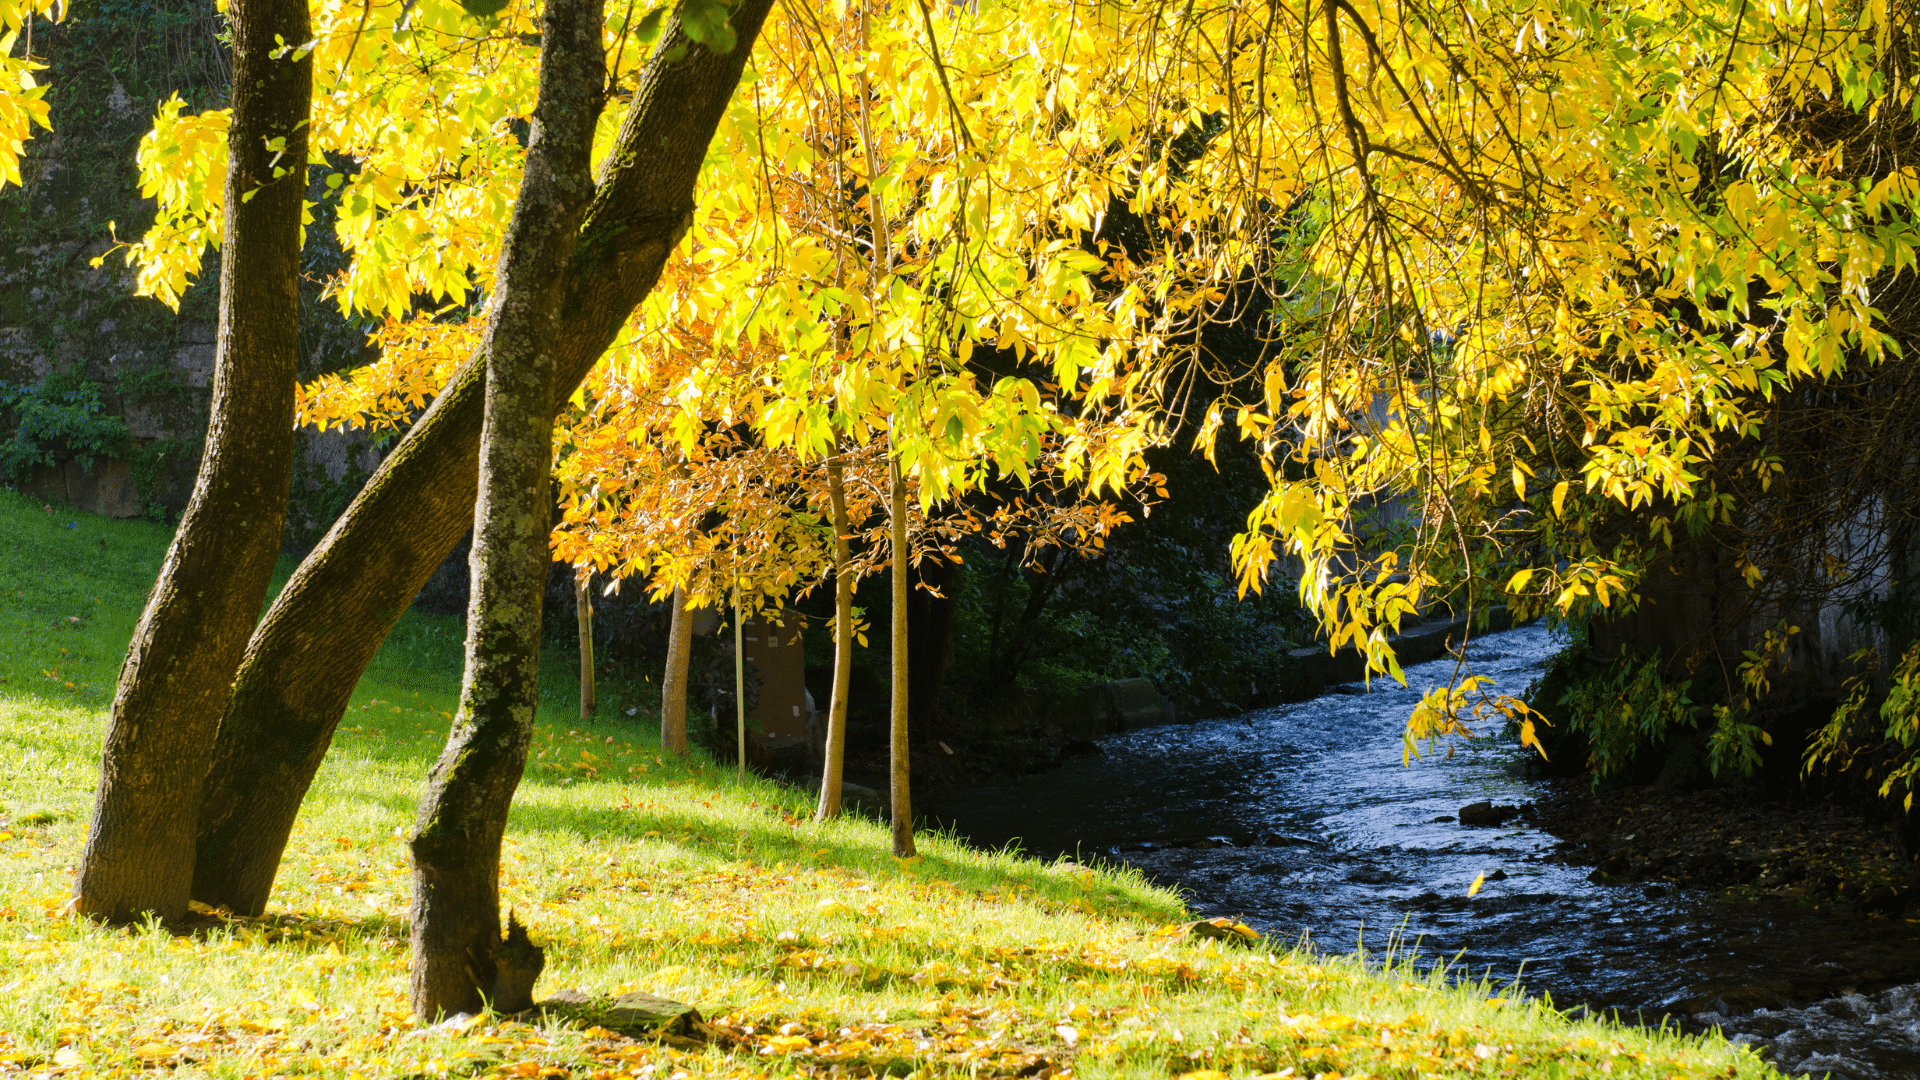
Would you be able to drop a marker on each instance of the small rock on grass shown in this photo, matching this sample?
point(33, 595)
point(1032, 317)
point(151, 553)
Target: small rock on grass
point(633, 1013)
point(1223, 929)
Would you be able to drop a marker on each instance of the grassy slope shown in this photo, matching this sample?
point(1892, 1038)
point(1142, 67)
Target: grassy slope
point(810, 948)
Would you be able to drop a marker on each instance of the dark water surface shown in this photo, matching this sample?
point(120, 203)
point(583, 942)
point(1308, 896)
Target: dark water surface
point(1302, 820)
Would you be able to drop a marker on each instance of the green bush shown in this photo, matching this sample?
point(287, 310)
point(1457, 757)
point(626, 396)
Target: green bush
point(62, 412)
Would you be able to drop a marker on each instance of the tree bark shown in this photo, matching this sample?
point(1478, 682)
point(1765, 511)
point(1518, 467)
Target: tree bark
point(140, 847)
point(309, 651)
point(583, 608)
point(456, 838)
point(834, 758)
point(673, 682)
point(897, 721)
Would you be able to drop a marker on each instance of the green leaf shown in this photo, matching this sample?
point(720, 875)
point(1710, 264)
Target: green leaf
point(649, 27)
point(706, 22)
point(485, 10)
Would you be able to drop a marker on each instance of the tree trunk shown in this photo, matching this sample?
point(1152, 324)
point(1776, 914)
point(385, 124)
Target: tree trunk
point(897, 721)
point(673, 683)
point(456, 838)
point(309, 651)
point(140, 848)
point(739, 683)
point(583, 607)
point(834, 758)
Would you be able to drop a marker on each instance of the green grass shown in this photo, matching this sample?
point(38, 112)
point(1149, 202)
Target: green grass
point(809, 948)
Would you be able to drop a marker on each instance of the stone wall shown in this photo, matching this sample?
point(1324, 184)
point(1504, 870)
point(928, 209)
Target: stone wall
point(62, 318)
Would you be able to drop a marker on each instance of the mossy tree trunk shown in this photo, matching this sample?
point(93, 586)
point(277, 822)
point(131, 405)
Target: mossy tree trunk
point(833, 760)
point(673, 682)
point(897, 722)
point(140, 847)
point(309, 651)
point(456, 838)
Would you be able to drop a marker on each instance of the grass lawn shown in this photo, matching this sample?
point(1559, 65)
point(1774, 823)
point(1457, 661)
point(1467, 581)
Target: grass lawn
point(809, 949)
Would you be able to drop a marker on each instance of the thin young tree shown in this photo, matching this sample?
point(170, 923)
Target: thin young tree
point(899, 765)
point(673, 683)
point(834, 753)
point(583, 611)
point(139, 856)
point(456, 839)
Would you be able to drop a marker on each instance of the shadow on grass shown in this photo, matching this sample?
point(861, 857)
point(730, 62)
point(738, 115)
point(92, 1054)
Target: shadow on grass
point(778, 830)
point(294, 928)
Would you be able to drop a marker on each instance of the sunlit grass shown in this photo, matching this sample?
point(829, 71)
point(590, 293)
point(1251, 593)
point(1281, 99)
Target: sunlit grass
point(809, 948)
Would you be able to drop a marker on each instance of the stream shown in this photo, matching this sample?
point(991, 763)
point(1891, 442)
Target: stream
point(1302, 821)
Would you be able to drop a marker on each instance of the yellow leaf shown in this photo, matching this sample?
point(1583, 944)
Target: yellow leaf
point(1477, 882)
point(1519, 580)
point(1559, 497)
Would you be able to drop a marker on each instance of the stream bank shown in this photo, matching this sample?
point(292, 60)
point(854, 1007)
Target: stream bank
point(1302, 820)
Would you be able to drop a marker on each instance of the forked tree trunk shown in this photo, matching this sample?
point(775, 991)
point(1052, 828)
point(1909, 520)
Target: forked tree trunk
point(583, 607)
point(897, 725)
point(140, 847)
point(456, 838)
point(309, 651)
point(673, 682)
point(834, 758)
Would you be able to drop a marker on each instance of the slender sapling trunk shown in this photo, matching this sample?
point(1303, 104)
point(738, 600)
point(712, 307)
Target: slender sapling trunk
point(897, 724)
point(583, 607)
point(739, 682)
point(673, 683)
point(833, 760)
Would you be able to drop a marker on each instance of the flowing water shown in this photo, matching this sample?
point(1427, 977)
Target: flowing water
point(1302, 820)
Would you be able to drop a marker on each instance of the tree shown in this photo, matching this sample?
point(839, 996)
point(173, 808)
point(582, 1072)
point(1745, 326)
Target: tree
point(673, 682)
point(741, 338)
point(1579, 361)
point(139, 853)
point(22, 99)
point(899, 787)
point(992, 259)
point(834, 751)
point(583, 605)
point(308, 651)
point(455, 915)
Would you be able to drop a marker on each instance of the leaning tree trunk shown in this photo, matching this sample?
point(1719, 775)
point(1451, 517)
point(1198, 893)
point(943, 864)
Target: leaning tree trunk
point(309, 651)
point(673, 682)
point(834, 758)
point(897, 721)
point(456, 839)
point(140, 847)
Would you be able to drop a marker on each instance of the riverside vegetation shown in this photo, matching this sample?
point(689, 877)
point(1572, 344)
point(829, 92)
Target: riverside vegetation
point(808, 948)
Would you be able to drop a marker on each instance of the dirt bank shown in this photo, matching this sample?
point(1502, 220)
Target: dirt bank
point(1735, 841)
